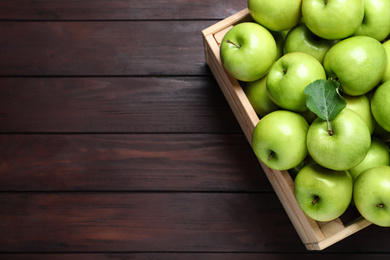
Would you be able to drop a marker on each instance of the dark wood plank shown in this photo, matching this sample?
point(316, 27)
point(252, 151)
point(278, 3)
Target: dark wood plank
point(150, 162)
point(119, 9)
point(144, 222)
point(103, 48)
point(194, 256)
point(159, 222)
point(114, 105)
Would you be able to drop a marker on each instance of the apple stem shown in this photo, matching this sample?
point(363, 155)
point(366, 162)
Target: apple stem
point(316, 198)
point(270, 156)
point(329, 128)
point(326, 2)
point(380, 205)
point(235, 44)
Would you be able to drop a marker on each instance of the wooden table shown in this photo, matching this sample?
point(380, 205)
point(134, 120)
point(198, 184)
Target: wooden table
point(117, 143)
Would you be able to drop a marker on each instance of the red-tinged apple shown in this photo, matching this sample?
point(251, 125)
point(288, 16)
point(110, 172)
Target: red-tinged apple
point(248, 51)
point(279, 139)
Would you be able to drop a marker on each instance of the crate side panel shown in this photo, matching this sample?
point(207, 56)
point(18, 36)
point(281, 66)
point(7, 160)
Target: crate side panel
point(352, 228)
point(241, 16)
point(232, 90)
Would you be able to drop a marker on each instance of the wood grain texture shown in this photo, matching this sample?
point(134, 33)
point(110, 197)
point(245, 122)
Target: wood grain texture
point(115, 105)
point(191, 256)
point(158, 222)
point(119, 9)
point(149, 162)
point(117, 143)
point(121, 48)
point(144, 222)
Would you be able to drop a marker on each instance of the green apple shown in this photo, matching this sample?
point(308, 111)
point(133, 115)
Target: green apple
point(386, 75)
point(257, 95)
point(248, 51)
point(377, 155)
point(276, 15)
point(372, 195)
point(380, 105)
point(376, 22)
point(346, 147)
point(288, 78)
point(361, 105)
point(279, 139)
point(321, 193)
point(333, 19)
point(301, 39)
point(358, 62)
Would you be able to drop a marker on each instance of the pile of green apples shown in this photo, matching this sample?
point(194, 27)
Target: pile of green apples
point(335, 56)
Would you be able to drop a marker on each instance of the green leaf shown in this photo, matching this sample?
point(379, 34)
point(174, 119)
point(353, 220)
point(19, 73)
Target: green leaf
point(324, 99)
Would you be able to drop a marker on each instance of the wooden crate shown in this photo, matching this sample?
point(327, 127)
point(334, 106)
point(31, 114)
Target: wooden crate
point(315, 235)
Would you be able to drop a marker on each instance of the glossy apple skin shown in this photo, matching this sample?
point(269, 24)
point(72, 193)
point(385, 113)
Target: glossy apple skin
point(376, 22)
point(276, 15)
point(288, 78)
point(358, 62)
point(257, 95)
point(301, 39)
point(255, 56)
point(372, 189)
point(333, 189)
point(380, 105)
point(377, 155)
point(281, 133)
point(348, 145)
point(361, 105)
point(386, 75)
point(336, 19)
